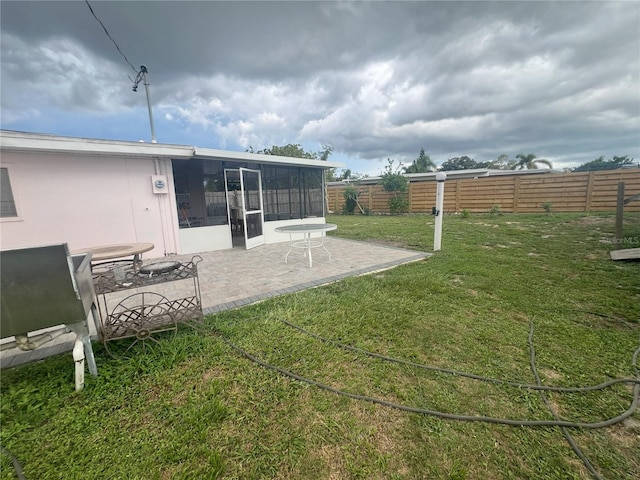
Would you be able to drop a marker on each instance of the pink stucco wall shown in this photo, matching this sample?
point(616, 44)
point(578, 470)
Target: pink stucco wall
point(86, 201)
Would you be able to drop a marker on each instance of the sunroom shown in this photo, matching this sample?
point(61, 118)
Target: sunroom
point(228, 202)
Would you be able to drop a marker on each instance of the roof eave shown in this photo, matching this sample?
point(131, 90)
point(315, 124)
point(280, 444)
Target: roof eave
point(210, 153)
point(27, 142)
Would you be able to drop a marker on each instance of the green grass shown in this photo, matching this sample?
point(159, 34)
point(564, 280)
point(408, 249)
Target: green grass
point(194, 408)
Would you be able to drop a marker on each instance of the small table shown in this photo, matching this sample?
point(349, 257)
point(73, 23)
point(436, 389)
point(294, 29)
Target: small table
point(307, 229)
point(120, 250)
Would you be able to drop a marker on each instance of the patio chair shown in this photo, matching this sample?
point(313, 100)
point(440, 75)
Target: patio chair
point(45, 287)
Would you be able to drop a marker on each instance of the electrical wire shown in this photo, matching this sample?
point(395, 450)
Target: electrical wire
point(471, 418)
point(463, 374)
point(110, 37)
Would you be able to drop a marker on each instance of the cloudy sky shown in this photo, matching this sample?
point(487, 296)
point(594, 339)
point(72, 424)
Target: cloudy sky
point(374, 80)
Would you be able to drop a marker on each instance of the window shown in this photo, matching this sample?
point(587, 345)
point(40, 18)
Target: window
point(7, 202)
point(312, 192)
point(288, 192)
point(215, 198)
point(292, 192)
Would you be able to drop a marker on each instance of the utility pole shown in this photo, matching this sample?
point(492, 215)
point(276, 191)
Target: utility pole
point(142, 75)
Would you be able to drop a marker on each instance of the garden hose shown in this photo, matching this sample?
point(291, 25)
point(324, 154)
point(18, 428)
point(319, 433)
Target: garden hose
point(464, 374)
point(451, 416)
point(16, 464)
point(557, 422)
point(565, 431)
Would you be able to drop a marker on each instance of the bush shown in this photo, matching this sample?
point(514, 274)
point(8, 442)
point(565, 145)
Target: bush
point(398, 204)
point(350, 195)
point(393, 181)
point(495, 210)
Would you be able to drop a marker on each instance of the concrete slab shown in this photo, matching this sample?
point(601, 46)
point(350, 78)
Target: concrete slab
point(625, 254)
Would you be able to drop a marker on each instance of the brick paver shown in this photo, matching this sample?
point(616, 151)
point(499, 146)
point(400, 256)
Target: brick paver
point(233, 278)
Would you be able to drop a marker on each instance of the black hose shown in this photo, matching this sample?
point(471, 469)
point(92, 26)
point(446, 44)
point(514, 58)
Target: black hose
point(471, 418)
point(565, 432)
point(464, 374)
point(16, 464)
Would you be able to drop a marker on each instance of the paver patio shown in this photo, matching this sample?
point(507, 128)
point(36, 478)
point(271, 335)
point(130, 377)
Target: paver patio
point(236, 277)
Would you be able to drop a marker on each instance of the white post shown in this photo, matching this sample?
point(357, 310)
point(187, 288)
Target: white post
point(437, 235)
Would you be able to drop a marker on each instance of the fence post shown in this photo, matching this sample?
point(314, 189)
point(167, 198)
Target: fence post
point(410, 197)
point(619, 211)
point(516, 194)
point(587, 203)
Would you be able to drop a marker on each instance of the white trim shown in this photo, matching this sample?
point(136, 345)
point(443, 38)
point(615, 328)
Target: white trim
point(30, 142)
point(209, 153)
point(37, 142)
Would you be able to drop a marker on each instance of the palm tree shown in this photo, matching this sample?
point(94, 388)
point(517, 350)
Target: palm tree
point(421, 164)
point(529, 162)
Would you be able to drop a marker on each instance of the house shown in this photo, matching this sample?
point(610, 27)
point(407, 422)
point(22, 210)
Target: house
point(183, 199)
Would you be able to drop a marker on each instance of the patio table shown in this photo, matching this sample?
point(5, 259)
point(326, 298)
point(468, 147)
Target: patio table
point(306, 229)
point(120, 250)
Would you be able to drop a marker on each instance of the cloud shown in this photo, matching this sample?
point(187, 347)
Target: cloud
point(371, 79)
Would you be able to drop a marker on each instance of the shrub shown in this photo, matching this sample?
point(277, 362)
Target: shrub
point(350, 195)
point(495, 210)
point(394, 182)
point(398, 204)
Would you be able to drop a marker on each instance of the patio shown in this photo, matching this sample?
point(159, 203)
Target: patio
point(237, 277)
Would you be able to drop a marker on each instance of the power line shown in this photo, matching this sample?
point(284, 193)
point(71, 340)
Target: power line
point(111, 38)
point(141, 75)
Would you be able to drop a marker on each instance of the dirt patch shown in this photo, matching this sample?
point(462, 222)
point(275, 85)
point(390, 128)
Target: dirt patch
point(626, 437)
point(550, 374)
point(213, 373)
point(333, 459)
point(592, 220)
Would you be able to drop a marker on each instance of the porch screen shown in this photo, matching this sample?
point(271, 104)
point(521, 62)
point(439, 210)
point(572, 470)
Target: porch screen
point(292, 192)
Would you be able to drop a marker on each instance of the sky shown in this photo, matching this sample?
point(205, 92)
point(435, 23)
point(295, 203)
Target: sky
point(372, 80)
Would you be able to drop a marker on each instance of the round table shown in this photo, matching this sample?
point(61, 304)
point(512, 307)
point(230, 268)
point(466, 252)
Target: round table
point(306, 229)
point(120, 250)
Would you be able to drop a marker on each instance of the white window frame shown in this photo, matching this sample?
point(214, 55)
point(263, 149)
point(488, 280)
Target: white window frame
point(16, 202)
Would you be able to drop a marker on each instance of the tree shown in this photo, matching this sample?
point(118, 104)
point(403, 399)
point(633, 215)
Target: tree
point(500, 163)
point(601, 164)
point(290, 150)
point(296, 151)
point(394, 182)
point(459, 163)
point(350, 195)
point(421, 164)
point(529, 162)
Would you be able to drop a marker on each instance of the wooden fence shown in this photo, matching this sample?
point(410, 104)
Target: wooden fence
point(566, 192)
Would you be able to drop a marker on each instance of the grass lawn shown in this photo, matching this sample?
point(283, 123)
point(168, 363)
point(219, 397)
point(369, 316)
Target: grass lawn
point(194, 408)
